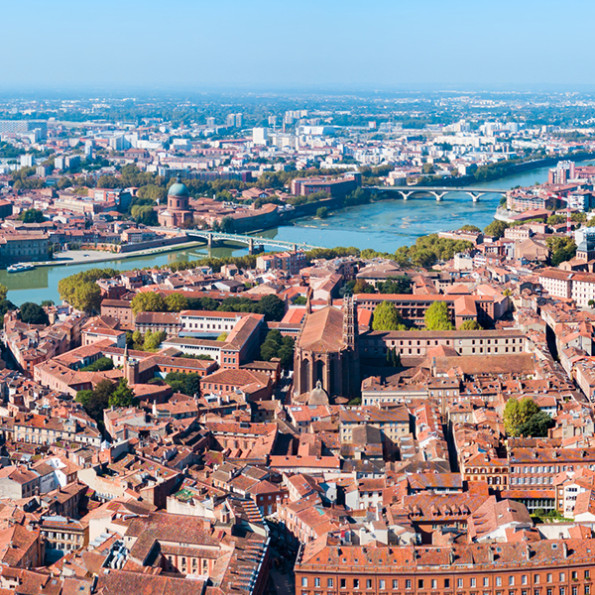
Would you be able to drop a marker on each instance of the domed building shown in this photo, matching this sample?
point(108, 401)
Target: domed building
point(177, 213)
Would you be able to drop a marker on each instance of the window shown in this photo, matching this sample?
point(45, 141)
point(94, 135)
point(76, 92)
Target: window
point(329, 582)
point(369, 583)
point(381, 584)
point(356, 583)
point(511, 581)
point(473, 582)
point(498, 581)
point(343, 583)
point(395, 584)
point(420, 583)
point(434, 583)
point(562, 576)
point(524, 579)
point(459, 583)
point(447, 583)
point(408, 584)
point(549, 577)
point(304, 581)
point(317, 582)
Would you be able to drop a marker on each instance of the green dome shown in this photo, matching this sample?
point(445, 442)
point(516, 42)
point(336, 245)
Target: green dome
point(178, 189)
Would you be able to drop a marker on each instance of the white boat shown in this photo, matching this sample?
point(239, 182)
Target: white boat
point(20, 267)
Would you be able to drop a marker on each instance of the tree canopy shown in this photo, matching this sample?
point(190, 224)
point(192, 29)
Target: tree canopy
point(387, 318)
point(32, 313)
point(175, 302)
point(148, 301)
point(523, 417)
point(471, 325)
point(496, 228)
point(96, 400)
point(275, 345)
point(99, 365)
point(188, 384)
point(32, 216)
point(123, 395)
point(81, 290)
point(561, 248)
point(437, 319)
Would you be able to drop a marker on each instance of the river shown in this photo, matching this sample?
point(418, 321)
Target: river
point(384, 225)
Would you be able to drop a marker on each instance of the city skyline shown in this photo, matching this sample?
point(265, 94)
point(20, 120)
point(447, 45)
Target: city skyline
point(231, 45)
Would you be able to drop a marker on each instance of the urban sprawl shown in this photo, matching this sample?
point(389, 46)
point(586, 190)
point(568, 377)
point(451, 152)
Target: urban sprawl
point(310, 420)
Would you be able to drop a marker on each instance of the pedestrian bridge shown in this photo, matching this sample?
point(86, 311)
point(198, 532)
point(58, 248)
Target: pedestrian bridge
point(254, 243)
point(438, 192)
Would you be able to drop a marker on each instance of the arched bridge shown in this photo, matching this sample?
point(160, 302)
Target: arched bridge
point(253, 242)
point(438, 192)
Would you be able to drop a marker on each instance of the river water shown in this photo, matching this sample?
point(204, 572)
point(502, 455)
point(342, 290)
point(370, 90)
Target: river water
point(384, 226)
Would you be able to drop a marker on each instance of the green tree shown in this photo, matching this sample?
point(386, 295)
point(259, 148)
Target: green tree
point(362, 286)
point(386, 317)
point(32, 216)
point(153, 340)
point(322, 212)
point(471, 325)
point(467, 227)
point(517, 412)
point(561, 249)
point(87, 297)
point(496, 228)
point(188, 384)
point(31, 313)
point(176, 302)
point(144, 215)
point(3, 292)
point(537, 425)
point(437, 319)
point(395, 285)
point(99, 365)
point(148, 301)
point(137, 340)
point(96, 400)
point(555, 219)
point(123, 395)
point(272, 307)
point(275, 345)
point(5, 306)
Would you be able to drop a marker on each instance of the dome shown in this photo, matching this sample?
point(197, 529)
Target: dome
point(318, 396)
point(178, 189)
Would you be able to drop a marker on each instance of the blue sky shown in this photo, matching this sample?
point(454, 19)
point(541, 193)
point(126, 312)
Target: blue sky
point(195, 44)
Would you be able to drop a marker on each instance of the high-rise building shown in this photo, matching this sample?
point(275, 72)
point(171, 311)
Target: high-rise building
point(260, 136)
point(23, 126)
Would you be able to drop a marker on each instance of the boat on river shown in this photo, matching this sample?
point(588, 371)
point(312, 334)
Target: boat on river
point(20, 267)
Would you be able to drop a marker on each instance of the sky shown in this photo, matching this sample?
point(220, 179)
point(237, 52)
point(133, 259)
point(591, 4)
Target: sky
point(304, 44)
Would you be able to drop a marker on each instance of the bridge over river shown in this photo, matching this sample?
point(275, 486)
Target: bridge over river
point(254, 243)
point(438, 192)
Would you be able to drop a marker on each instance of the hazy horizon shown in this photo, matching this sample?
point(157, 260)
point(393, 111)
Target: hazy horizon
point(193, 46)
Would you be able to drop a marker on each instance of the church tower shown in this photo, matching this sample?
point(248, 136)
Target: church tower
point(349, 322)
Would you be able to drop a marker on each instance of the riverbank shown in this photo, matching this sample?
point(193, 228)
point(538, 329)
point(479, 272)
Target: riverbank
point(77, 257)
point(384, 225)
point(337, 204)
